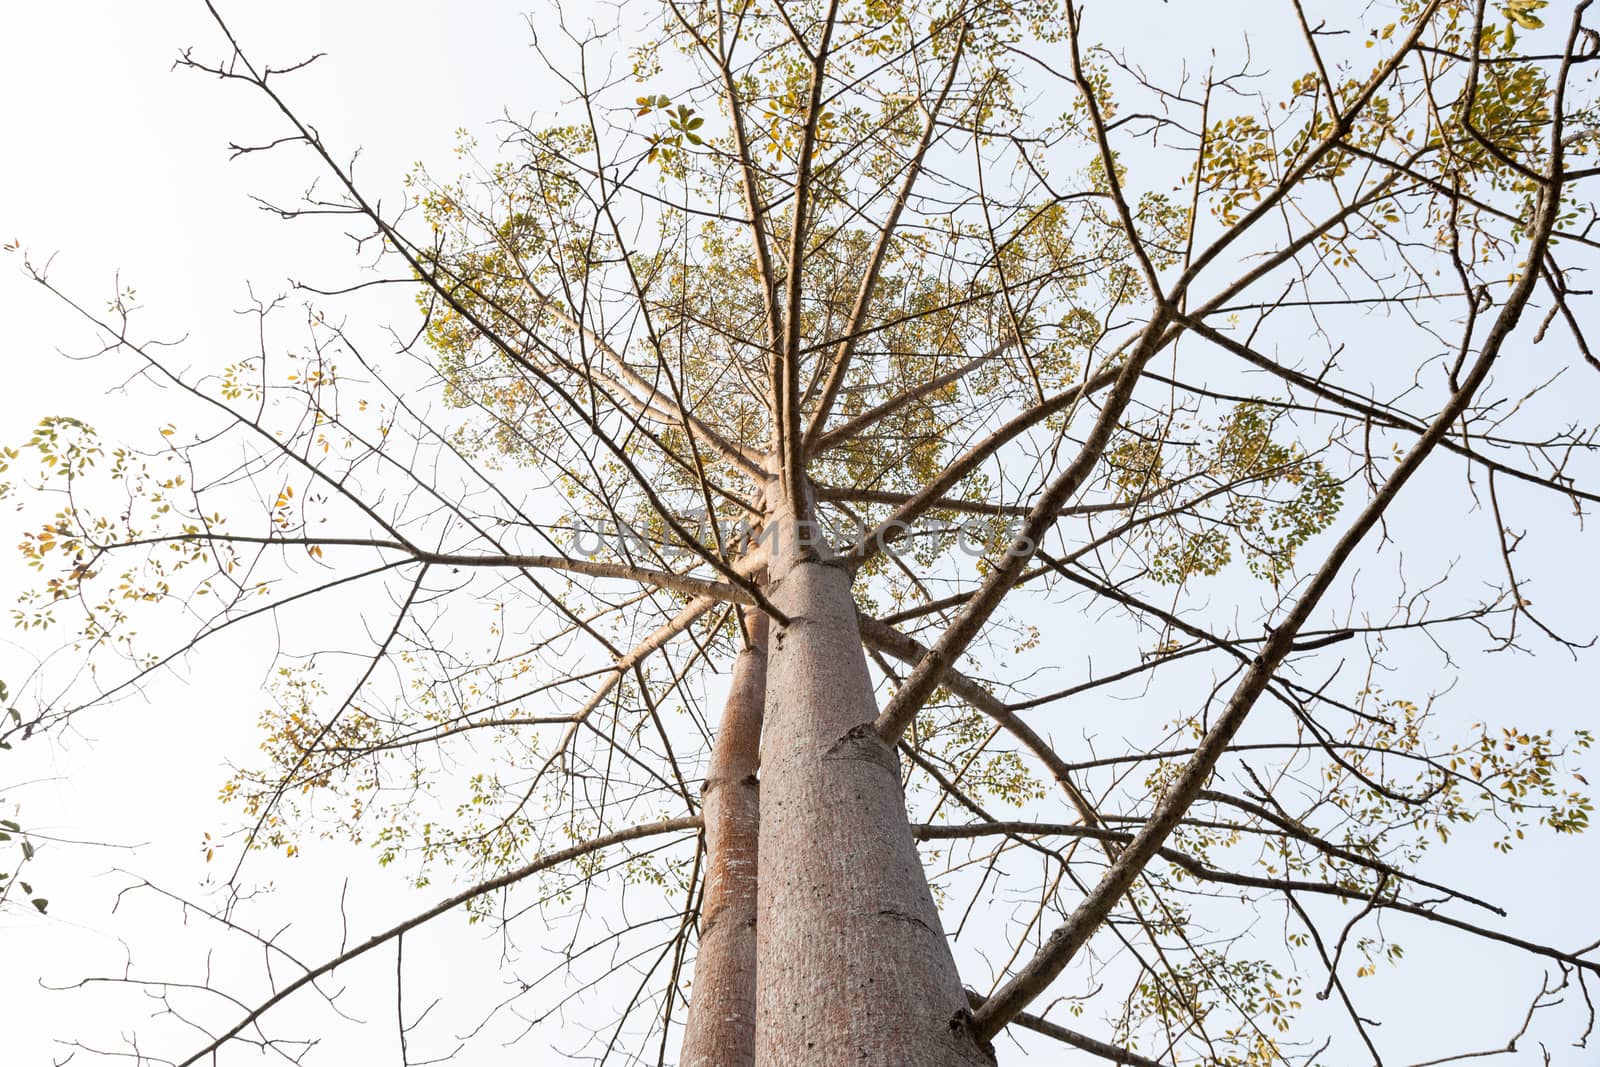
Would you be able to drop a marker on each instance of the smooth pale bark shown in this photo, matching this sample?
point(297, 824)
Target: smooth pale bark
point(854, 967)
point(721, 1029)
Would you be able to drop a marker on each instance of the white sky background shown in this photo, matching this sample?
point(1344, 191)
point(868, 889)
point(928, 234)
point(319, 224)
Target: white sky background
point(121, 164)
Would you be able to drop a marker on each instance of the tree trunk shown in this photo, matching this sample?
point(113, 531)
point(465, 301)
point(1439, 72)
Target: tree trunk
point(854, 965)
point(721, 1029)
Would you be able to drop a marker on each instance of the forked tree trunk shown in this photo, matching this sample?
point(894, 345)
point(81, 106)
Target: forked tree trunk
point(854, 967)
point(721, 1028)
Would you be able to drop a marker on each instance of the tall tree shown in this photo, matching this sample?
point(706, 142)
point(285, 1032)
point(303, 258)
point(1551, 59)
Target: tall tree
point(868, 346)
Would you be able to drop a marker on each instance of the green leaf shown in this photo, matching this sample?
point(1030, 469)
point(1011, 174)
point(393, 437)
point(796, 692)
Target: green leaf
point(41, 903)
point(1522, 13)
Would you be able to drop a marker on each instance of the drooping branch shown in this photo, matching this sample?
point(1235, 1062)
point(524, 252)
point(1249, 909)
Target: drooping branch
point(509, 878)
point(1082, 1042)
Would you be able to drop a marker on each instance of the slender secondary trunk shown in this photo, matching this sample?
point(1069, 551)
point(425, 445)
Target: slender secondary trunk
point(854, 967)
point(721, 1029)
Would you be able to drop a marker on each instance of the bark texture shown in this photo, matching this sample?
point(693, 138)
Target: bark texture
point(721, 1027)
point(854, 964)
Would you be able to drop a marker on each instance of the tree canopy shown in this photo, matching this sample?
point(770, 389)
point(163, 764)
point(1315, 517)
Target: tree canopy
point(1136, 396)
